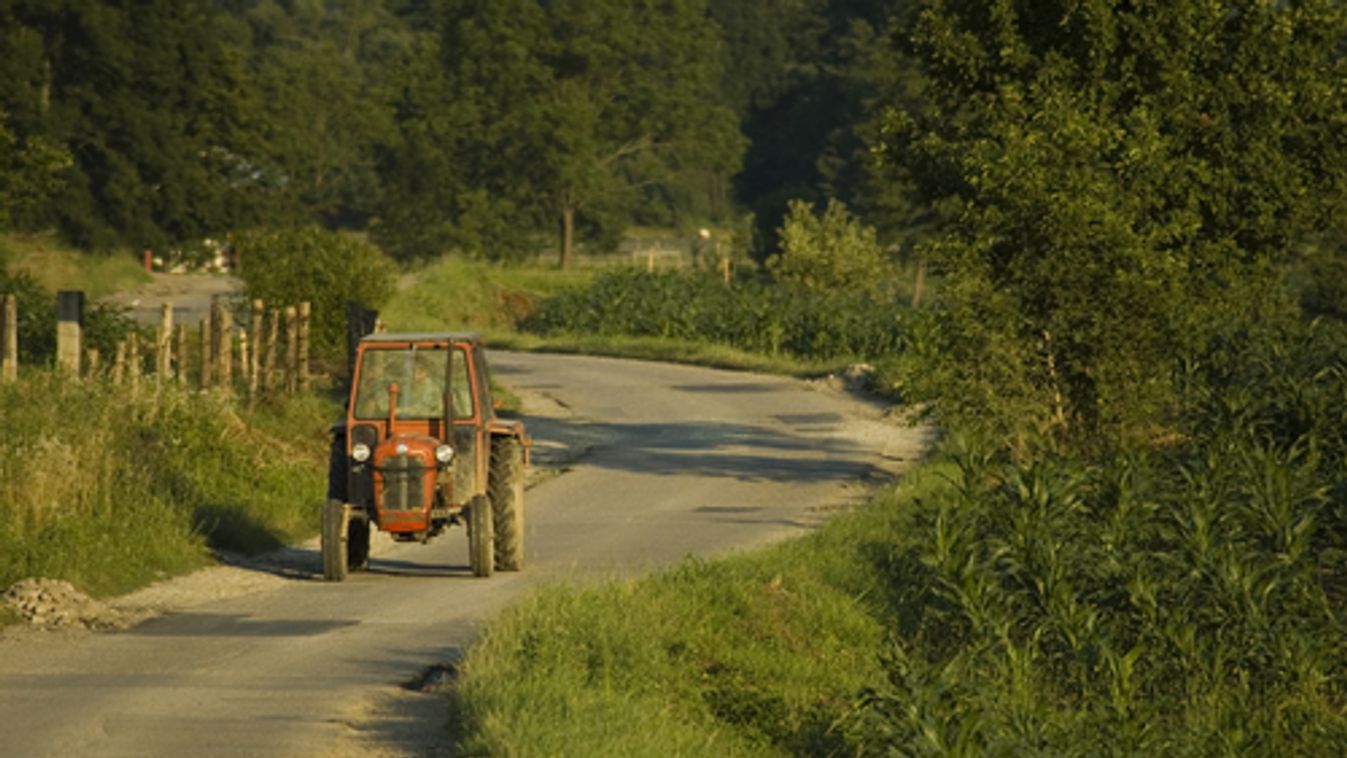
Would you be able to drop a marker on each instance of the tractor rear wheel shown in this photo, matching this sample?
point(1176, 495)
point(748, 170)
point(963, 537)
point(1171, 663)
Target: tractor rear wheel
point(506, 488)
point(481, 540)
point(336, 530)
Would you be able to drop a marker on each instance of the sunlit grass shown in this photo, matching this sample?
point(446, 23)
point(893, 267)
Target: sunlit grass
point(111, 489)
point(59, 267)
point(759, 654)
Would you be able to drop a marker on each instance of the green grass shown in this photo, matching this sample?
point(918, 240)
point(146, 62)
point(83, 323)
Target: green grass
point(59, 267)
point(759, 654)
point(456, 294)
point(111, 490)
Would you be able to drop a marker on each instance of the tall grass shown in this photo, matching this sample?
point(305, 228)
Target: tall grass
point(111, 490)
point(1181, 600)
point(759, 654)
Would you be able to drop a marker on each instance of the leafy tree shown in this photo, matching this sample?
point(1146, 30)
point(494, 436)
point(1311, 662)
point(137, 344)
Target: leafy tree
point(569, 110)
point(323, 78)
point(30, 174)
point(830, 253)
point(801, 75)
point(144, 98)
point(1121, 177)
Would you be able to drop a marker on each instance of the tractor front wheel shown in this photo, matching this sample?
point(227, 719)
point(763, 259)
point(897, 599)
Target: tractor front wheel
point(336, 531)
point(481, 539)
point(357, 543)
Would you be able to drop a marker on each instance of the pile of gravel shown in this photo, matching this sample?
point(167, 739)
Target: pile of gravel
point(56, 604)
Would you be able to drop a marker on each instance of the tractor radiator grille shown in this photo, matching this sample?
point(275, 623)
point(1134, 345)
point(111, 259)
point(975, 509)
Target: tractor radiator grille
point(403, 483)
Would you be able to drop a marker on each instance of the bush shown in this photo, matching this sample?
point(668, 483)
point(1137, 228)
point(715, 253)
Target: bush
point(831, 253)
point(104, 325)
point(285, 267)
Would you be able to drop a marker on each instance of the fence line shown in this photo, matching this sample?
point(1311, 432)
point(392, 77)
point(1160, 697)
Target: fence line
point(175, 354)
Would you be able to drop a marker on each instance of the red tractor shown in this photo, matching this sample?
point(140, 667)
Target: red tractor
point(420, 450)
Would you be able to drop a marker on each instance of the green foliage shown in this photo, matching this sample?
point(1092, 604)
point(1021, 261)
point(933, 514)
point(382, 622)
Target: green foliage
point(454, 294)
point(111, 490)
point(561, 112)
point(30, 174)
point(104, 325)
point(831, 253)
point(146, 100)
point(745, 314)
point(285, 267)
point(1182, 601)
point(754, 656)
point(1123, 179)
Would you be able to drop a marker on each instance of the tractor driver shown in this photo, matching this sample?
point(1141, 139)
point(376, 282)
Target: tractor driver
point(424, 397)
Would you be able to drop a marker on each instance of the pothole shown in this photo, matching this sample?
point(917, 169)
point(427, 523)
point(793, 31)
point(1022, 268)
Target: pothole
point(434, 679)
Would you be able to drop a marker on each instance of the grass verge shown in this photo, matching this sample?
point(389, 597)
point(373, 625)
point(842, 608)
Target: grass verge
point(763, 653)
point(111, 490)
point(455, 294)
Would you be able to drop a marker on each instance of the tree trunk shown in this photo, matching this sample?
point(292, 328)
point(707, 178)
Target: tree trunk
point(919, 284)
point(567, 235)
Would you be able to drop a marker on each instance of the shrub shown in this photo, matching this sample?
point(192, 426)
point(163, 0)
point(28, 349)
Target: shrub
point(287, 266)
point(831, 253)
point(104, 325)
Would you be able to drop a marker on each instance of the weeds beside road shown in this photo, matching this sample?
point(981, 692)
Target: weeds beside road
point(111, 489)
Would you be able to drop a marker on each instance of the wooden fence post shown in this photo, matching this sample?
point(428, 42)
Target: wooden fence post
point(269, 362)
point(225, 368)
point(216, 340)
point(164, 372)
point(119, 362)
point(303, 348)
point(255, 364)
point(69, 320)
point(133, 361)
point(207, 370)
point(291, 348)
point(182, 355)
point(9, 322)
point(244, 363)
point(92, 363)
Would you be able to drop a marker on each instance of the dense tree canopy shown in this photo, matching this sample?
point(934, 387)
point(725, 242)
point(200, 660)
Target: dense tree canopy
point(496, 128)
point(1122, 177)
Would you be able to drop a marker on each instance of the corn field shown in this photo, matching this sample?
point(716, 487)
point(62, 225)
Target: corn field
point(1183, 600)
point(745, 314)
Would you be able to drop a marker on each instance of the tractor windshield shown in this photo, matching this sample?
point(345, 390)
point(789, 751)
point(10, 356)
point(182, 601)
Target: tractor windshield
point(420, 375)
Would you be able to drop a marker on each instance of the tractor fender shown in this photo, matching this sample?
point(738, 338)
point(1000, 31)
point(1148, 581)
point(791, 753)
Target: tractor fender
point(512, 428)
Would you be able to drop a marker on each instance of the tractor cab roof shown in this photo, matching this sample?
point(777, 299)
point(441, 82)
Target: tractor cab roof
point(422, 337)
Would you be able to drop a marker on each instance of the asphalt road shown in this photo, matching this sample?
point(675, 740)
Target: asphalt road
point(661, 462)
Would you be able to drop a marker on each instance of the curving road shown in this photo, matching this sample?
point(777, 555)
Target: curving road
point(659, 462)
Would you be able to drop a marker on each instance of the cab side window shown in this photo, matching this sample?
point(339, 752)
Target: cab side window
point(460, 385)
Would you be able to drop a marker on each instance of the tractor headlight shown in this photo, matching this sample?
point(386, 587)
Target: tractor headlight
point(444, 454)
point(360, 452)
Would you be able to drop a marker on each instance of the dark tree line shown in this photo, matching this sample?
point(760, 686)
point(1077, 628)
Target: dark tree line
point(495, 127)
